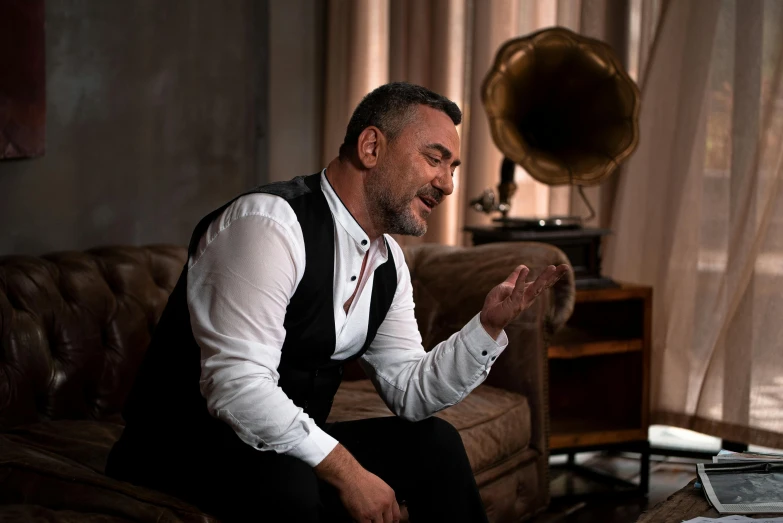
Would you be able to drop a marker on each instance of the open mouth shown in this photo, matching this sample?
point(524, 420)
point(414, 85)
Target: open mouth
point(428, 202)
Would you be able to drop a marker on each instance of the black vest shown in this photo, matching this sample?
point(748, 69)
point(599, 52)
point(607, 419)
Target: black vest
point(166, 401)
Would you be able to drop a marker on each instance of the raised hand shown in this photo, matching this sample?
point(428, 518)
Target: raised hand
point(507, 300)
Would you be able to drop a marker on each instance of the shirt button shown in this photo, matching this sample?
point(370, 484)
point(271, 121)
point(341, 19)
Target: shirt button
point(483, 353)
point(353, 278)
point(494, 358)
point(364, 242)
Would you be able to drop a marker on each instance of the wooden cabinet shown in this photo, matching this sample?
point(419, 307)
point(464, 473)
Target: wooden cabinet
point(599, 371)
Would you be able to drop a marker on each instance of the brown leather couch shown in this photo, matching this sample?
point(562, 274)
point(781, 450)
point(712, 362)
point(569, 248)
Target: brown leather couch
point(74, 327)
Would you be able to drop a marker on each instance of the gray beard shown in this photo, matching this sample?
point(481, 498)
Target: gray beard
point(395, 216)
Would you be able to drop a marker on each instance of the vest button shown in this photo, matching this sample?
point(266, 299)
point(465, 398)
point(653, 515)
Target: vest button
point(364, 242)
point(353, 278)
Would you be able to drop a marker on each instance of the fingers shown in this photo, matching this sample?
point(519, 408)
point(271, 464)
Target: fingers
point(541, 283)
point(520, 272)
point(525, 293)
point(390, 515)
point(560, 270)
point(518, 278)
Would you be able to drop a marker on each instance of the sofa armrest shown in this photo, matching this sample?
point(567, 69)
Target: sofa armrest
point(449, 287)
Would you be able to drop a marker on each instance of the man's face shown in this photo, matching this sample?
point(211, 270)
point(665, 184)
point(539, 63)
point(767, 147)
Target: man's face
point(414, 173)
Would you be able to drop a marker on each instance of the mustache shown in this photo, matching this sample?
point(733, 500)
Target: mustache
point(431, 192)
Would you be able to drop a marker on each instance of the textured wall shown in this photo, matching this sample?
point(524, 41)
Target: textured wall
point(296, 86)
point(153, 120)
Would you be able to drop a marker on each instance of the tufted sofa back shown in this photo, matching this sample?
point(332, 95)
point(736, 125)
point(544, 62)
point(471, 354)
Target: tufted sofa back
point(74, 327)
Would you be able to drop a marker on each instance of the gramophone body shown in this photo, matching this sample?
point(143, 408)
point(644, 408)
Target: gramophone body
point(561, 106)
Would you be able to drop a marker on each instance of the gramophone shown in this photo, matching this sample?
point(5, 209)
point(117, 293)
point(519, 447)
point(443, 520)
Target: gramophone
point(561, 106)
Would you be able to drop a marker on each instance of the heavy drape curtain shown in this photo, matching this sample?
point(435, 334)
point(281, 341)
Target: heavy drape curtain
point(699, 215)
point(448, 46)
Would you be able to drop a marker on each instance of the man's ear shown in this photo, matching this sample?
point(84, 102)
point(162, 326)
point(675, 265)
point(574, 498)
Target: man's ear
point(367, 146)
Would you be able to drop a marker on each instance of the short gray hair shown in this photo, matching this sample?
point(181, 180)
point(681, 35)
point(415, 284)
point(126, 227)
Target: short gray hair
point(390, 108)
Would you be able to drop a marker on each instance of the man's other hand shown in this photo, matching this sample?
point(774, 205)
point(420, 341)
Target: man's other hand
point(369, 499)
point(365, 496)
point(506, 301)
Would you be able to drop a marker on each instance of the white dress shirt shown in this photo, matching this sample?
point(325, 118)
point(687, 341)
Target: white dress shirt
point(245, 269)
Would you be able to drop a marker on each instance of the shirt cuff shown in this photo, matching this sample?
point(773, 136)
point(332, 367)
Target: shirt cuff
point(480, 343)
point(315, 447)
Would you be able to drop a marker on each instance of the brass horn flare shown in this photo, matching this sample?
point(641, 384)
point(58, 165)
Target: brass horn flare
point(562, 106)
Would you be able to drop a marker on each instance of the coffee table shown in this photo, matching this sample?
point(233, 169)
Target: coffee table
point(687, 503)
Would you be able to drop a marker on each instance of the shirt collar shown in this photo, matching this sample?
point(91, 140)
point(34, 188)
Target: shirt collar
point(346, 220)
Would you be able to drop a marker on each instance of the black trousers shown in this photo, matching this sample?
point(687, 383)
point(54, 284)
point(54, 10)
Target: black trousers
point(423, 462)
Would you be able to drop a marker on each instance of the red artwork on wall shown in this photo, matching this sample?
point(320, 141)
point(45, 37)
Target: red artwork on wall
point(22, 79)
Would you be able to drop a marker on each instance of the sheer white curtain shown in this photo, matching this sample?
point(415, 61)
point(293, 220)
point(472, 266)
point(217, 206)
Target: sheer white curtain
point(699, 215)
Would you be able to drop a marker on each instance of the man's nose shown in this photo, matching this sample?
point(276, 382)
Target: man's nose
point(445, 183)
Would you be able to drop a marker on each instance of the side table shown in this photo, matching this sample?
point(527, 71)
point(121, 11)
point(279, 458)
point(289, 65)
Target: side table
point(599, 375)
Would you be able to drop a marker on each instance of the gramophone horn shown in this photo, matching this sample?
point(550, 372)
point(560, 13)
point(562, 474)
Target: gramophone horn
point(562, 106)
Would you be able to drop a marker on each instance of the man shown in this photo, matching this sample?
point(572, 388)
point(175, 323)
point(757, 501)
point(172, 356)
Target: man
point(284, 285)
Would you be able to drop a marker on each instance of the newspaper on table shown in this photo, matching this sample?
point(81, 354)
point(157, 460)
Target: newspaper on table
point(744, 483)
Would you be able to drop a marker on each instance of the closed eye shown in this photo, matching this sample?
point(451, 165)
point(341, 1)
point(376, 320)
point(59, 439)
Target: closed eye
point(434, 160)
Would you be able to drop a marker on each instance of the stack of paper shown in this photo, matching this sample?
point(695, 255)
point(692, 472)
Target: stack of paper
point(727, 456)
point(734, 519)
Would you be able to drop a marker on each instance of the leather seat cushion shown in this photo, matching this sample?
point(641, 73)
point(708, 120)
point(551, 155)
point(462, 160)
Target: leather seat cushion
point(494, 423)
point(51, 470)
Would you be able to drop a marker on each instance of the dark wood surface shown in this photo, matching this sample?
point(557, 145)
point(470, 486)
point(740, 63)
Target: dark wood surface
point(687, 503)
point(582, 245)
point(625, 291)
point(583, 436)
point(495, 233)
point(593, 348)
